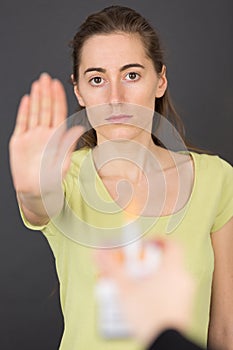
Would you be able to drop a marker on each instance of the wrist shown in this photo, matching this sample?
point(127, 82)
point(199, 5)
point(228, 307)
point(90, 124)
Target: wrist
point(47, 205)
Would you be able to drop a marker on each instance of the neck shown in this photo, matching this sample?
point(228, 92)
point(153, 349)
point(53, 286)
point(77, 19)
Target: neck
point(126, 159)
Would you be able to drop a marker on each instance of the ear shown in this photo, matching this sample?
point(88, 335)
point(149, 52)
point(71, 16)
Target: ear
point(162, 84)
point(77, 92)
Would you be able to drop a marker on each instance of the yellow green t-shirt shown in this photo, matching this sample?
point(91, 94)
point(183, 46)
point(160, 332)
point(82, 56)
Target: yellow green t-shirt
point(90, 215)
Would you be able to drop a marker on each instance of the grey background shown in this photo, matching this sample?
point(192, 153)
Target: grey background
point(197, 37)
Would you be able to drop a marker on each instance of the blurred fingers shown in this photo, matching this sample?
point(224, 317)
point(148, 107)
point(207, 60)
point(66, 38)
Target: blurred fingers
point(68, 144)
point(45, 100)
point(173, 253)
point(45, 106)
point(34, 105)
point(59, 106)
point(102, 258)
point(111, 263)
point(22, 116)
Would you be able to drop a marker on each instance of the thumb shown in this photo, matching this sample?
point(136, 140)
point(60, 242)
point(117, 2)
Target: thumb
point(68, 144)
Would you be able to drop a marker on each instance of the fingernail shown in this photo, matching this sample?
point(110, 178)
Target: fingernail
point(44, 74)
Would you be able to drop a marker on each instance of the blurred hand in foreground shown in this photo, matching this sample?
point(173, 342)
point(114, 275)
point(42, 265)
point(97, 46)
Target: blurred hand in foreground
point(157, 301)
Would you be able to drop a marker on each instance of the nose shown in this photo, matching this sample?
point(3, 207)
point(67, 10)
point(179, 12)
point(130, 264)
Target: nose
point(116, 93)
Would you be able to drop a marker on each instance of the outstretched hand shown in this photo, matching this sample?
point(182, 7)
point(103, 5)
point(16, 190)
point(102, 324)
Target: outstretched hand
point(158, 301)
point(40, 140)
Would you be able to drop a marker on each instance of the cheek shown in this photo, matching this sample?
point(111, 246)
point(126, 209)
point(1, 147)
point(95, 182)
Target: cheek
point(144, 98)
point(93, 96)
point(150, 97)
point(144, 93)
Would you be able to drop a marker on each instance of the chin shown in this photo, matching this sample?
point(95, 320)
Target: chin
point(118, 132)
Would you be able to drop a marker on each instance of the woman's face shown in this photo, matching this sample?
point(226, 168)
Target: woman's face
point(114, 71)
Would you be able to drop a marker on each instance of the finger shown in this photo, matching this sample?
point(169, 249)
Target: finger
point(167, 246)
point(59, 108)
point(101, 259)
point(22, 116)
point(34, 105)
point(45, 100)
point(110, 263)
point(172, 255)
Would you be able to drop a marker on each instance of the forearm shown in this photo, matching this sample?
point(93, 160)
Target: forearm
point(220, 338)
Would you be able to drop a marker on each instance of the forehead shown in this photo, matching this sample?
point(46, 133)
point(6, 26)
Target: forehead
point(112, 50)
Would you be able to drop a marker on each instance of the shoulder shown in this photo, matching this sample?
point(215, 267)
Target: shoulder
point(214, 181)
point(78, 156)
point(212, 165)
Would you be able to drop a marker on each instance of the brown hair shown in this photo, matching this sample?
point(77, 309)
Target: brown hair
point(117, 19)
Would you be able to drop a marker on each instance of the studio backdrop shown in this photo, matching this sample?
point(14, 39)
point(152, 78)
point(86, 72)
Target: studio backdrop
point(35, 36)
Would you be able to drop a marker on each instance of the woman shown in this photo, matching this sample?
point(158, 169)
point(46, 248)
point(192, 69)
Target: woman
point(119, 76)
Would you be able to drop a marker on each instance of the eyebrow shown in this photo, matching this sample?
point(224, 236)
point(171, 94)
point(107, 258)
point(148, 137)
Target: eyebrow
point(102, 70)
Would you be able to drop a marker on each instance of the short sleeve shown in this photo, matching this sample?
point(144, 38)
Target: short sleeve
point(28, 224)
point(225, 201)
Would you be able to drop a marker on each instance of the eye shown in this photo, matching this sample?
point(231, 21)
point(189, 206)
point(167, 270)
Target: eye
point(132, 76)
point(95, 81)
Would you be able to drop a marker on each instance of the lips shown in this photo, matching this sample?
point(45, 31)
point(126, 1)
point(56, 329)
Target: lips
point(120, 118)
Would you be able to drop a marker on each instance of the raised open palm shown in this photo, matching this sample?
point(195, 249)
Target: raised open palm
point(41, 145)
